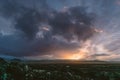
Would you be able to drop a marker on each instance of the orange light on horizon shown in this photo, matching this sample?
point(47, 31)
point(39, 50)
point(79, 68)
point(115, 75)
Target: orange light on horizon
point(73, 55)
point(76, 57)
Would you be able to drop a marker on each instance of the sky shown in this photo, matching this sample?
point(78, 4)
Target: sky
point(60, 29)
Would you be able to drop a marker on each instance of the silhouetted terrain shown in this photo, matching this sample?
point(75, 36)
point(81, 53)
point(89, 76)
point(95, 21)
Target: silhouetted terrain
point(58, 70)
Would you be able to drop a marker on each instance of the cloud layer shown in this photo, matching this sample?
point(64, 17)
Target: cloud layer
point(37, 28)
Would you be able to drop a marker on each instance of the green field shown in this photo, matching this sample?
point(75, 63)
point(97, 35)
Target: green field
point(59, 70)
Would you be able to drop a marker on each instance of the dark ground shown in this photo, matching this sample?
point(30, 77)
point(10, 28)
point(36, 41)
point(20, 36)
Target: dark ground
point(59, 70)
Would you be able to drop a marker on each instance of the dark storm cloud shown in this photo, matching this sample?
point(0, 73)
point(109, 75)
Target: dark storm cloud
point(74, 21)
point(43, 47)
point(10, 8)
point(26, 18)
point(28, 23)
point(15, 8)
point(98, 55)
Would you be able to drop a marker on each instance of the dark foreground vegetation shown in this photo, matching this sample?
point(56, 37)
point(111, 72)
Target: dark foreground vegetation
point(15, 70)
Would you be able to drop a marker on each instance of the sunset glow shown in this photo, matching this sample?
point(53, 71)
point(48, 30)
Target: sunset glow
point(77, 57)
